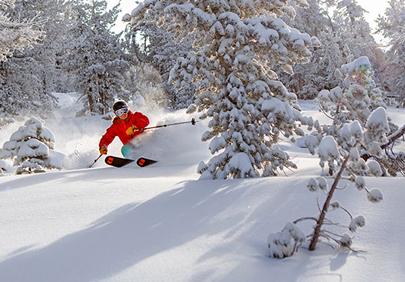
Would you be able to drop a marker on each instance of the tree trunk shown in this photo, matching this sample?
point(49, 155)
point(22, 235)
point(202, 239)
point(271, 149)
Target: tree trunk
point(319, 223)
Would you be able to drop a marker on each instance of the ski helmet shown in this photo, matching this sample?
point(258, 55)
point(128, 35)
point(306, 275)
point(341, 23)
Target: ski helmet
point(119, 105)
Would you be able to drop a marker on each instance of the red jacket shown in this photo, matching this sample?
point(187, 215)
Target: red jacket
point(120, 126)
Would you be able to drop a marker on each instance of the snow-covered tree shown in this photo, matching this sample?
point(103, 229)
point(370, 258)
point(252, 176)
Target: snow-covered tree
point(31, 148)
point(95, 55)
point(157, 47)
point(29, 77)
point(343, 34)
point(308, 79)
point(352, 168)
point(17, 74)
point(349, 16)
point(22, 91)
point(355, 99)
point(392, 27)
point(237, 44)
point(15, 35)
point(54, 16)
point(357, 96)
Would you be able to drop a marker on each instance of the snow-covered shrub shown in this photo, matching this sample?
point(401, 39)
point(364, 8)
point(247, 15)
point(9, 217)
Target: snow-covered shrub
point(237, 46)
point(285, 243)
point(351, 167)
point(31, 148)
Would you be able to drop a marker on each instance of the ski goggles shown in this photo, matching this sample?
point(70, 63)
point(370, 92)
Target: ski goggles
point(121, 111)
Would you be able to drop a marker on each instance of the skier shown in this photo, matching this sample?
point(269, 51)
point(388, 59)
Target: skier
point(126, 125)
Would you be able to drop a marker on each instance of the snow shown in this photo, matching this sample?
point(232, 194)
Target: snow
point(285, 243)
point(313, 185)
point(5, 166)
point(34, 148)
point(240, 162)
point(358, 221)
point(374, 167)
point(160, 223)
point(375, 196)
point(328, 148)
point(361, 62)
point(378, 119)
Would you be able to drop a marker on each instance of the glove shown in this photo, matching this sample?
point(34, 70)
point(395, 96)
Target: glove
point(103, 150)
point(132, 129)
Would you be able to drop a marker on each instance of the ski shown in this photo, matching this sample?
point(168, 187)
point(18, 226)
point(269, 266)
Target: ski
point(141, 162)
point(120, 162)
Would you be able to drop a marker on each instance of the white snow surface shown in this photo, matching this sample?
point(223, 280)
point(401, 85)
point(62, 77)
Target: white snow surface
point(160, 223)
point(362, 61)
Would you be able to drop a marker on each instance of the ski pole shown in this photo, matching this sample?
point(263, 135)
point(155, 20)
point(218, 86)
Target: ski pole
point(193, 122)
point(95, 161)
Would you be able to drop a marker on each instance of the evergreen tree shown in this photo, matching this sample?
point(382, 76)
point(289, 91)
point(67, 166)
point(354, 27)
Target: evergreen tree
point(355, 30)
point(344, 36)
point(15, 68)
point(236, 47)
point(308, 79)
point(392, 26)
point(15, 35)
point(352, 167)
point(356, 97)
point(157, 47)
point(95, 55)
point(31, 148)
point(47, 55)
point(22, 91)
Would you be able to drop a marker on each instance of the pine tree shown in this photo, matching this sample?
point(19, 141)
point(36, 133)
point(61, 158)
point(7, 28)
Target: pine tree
point(15, 98)
point(236, 46)
point(392, 27)
point(15, 35)
point(95, 55)
point(356, 96)
point(46, 55)
point(352, 167)
point(308, 79)
point(355, 30)
point(154, 46)
point(31, 148)
point(22, 91)
point(354, 99)
point(30, 76)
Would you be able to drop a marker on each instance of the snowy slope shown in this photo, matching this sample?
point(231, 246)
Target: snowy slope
point(161, 224)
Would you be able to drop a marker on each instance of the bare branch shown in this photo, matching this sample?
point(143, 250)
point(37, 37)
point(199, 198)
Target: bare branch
point(304, 218)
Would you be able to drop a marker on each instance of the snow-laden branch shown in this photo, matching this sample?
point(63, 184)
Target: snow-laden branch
point(394, 136)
